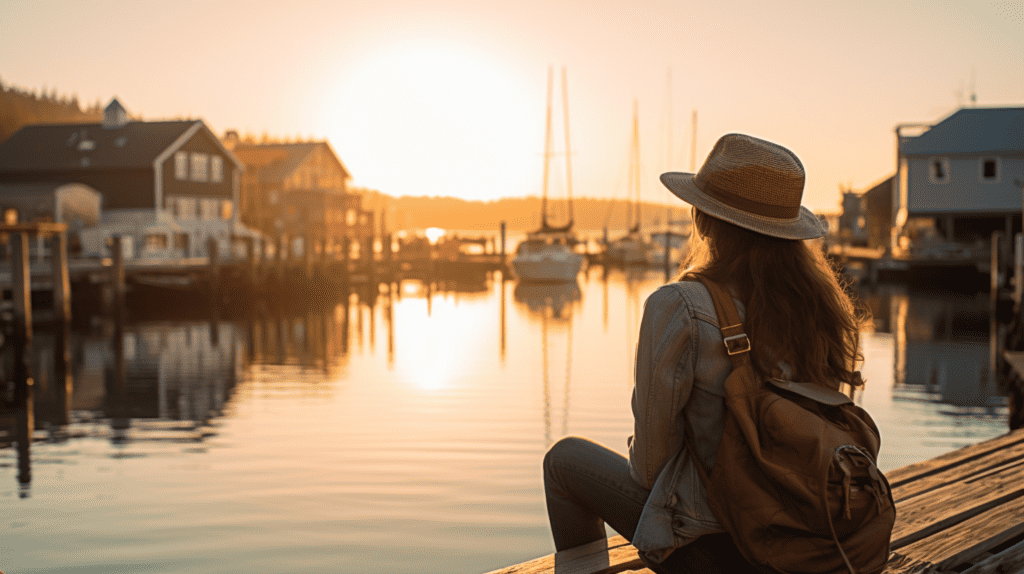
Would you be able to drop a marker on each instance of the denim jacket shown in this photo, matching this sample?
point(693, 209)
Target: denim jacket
point(681, 366)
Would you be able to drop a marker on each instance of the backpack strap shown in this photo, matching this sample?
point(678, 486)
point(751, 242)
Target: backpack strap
point(737, 344)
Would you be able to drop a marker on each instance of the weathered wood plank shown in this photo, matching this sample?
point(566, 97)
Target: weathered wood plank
point(949, 460)
point(966, 471)
point(953, 504)
point(1009, 560)
point(970, 538)
point(610, 556)
point(900, 564)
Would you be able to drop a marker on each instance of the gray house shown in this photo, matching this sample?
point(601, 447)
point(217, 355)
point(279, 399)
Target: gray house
point(961, 178)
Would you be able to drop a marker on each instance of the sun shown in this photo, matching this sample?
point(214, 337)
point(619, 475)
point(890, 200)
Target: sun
point(438, 118)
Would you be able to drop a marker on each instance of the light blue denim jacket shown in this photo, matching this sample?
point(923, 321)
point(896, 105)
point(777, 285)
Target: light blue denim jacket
point(681, 366)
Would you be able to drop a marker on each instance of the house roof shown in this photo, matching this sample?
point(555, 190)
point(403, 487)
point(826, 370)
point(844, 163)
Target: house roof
point(61, 147)
point(276, 162)
point(972, 131)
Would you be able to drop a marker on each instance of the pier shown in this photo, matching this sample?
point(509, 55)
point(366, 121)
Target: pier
point(959, 512)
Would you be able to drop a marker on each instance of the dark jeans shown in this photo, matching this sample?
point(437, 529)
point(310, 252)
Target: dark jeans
point(588, 485)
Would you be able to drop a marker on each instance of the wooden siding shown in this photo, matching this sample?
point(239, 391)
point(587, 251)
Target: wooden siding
point(200, 142)
point(964, 192)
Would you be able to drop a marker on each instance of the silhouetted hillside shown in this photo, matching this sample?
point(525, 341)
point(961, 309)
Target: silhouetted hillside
point(20, 107)
point(519, 213)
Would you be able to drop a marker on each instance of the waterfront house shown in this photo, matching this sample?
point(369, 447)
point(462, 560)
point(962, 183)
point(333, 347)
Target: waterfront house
point(298, 191)
point(169, 186)
point(960, 179)
point(867, 216)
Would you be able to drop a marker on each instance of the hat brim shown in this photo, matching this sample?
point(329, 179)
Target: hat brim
point(805, 226)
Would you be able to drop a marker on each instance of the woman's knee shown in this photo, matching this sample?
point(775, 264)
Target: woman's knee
point(567, 447)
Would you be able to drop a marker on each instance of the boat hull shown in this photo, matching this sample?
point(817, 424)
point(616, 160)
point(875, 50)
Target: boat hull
point(548, 267)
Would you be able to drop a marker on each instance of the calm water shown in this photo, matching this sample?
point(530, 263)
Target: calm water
point(401, 433)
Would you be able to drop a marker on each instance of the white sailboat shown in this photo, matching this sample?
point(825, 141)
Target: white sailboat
point(632, 248)
point(548, 254)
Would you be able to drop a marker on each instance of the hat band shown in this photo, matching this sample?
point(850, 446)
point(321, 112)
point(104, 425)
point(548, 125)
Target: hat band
point(749, 205)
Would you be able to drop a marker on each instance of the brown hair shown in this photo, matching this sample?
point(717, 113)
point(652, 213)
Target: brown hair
point(797, 311)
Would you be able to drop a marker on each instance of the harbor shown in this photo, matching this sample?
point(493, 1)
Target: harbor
point(322, 288)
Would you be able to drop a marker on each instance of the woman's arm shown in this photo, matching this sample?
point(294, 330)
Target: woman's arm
point(664, 378)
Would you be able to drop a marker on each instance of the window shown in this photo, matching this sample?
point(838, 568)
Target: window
point(990, 169)
point(938, 170)
point(181, 242)
point(155, 242)
point(216, 169)
point(350, 218)
point(200, 167)
point(181, 165)
point(186, 208)
point(225, 209)
point(209, 209)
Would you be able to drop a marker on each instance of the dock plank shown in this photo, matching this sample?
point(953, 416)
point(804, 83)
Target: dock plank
point(971, 538)
point(612, 556)
point(1009, 560)
point(947, 461)
point(954, 503)
point(965, 471)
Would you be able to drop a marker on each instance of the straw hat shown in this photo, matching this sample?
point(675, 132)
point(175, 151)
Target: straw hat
point(752, 183)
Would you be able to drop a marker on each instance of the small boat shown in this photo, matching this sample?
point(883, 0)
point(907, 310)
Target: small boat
point(547, 257)
point(633, 248)
point(548, 254)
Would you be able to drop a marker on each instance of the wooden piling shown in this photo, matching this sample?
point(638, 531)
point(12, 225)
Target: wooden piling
point(117, 281)
point(21, 288)
point(21, 292)
point(993, 332)
point(213, 269)
point(503, 262)
point(61, 278)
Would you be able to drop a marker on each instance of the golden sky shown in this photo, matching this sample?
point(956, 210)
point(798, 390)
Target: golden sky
point(447, 97)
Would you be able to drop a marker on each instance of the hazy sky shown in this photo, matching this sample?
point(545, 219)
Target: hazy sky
point(447, 97)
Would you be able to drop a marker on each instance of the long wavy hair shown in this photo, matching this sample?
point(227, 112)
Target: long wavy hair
point(797, 310)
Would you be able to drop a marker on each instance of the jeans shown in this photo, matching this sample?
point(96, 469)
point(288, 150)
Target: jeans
point(588, 485)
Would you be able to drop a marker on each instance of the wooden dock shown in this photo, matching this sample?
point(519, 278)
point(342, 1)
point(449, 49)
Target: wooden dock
point(959, 512)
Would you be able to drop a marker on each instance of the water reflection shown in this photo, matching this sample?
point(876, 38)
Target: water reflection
point(942, 346)
point(557, 300)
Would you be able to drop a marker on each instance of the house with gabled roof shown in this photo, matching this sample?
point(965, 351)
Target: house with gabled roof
point(299, 190)
point(167, 185)
point(963, 176)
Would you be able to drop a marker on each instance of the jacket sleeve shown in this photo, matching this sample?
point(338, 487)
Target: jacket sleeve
point(663, 380)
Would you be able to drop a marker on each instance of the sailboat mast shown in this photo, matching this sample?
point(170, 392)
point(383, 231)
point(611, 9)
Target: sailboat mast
point(547, 158)
point(693, 144)
point(636, 160)
point(568, 149)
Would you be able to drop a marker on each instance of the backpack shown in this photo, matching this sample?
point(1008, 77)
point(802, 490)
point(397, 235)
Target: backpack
point(795, 481)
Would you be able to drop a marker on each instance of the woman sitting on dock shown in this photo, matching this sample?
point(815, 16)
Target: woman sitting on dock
point(750, 229)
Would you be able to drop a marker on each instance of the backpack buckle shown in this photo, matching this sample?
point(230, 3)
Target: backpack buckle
point(736, 344)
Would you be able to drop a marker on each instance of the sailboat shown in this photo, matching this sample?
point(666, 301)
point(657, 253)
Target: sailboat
point(547, 254)
point(632, 248)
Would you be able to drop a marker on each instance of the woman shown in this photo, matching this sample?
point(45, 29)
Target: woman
point(750, 230)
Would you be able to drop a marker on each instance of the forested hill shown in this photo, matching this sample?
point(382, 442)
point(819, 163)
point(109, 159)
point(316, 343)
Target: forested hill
point(19, 107)
point(519, 213)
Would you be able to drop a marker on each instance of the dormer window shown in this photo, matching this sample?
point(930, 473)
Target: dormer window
point(114, 115)
point(938, 170)
point(990, 169)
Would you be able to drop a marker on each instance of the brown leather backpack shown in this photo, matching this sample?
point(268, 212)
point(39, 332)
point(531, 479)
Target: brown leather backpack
point(794, 481)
